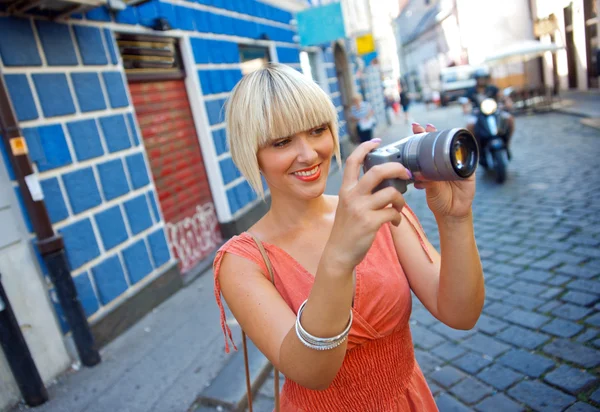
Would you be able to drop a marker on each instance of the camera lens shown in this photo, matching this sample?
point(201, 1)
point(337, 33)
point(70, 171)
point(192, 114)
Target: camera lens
point(463, 154)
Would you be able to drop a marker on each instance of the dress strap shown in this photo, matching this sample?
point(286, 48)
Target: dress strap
point(414, 228)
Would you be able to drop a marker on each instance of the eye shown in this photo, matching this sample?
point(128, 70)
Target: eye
point(318, 131)
point(281, 142)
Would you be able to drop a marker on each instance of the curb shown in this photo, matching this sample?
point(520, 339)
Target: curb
point(227, 391)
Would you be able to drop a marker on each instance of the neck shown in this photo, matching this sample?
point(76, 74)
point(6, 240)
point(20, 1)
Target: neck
point(288, 214)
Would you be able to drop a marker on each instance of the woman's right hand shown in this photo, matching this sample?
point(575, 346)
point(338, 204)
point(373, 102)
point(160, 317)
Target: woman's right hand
point(360, 213)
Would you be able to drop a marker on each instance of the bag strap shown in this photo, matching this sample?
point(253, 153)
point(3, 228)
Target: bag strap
point(276, 380)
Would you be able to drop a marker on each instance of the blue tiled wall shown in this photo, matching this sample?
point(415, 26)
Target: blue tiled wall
point(69, 92)
point(72, 100)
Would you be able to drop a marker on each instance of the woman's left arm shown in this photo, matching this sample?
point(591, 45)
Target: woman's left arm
point(451, 286)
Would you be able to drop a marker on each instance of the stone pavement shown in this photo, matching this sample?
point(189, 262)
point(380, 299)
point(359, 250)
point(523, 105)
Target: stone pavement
point(537, 343)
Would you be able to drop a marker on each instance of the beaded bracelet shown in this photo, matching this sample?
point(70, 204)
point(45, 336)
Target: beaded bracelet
point(317, 343)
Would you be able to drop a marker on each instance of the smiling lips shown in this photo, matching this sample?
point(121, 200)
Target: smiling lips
point(308, 175)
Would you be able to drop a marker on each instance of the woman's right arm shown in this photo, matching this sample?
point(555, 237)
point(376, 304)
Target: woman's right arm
point(265, 316)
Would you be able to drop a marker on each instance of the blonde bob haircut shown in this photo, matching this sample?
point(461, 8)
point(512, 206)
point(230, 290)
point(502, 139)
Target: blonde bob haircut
point(271, 103)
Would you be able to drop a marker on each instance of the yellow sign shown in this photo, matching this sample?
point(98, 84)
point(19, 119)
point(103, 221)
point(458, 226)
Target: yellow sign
point(365, 44)
point(18, 146)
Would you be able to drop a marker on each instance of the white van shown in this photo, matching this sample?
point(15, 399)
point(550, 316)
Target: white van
point(455, 81)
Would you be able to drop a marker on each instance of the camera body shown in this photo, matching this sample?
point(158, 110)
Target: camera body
point(444, 155)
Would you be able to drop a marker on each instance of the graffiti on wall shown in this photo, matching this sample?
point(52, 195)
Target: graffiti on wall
point(194, 237)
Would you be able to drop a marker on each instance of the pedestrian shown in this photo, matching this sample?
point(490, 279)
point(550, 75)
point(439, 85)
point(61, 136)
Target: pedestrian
point(404, 102)
point(335, 320)
point(362, 113)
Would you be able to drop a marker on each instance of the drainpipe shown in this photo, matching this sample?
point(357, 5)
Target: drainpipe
point(49, 243)
point(18, 356)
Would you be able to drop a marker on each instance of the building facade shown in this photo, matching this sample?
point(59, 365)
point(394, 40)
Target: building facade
point(122, 112)
point(435, 34)
point(575, 26)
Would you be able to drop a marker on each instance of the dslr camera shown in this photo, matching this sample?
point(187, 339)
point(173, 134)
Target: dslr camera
point(451, 154)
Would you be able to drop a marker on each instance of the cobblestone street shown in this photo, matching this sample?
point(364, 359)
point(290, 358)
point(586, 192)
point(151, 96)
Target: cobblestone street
point(536, 346)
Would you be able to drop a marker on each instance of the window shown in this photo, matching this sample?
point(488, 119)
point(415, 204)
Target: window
point(308, 61)
point(253, 58)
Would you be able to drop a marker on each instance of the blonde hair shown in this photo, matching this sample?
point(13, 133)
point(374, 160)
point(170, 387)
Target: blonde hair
point(271, 103)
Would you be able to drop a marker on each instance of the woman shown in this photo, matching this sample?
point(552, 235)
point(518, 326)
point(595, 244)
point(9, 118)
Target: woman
point(404, 102)
point(364, 116)
point(338, 261)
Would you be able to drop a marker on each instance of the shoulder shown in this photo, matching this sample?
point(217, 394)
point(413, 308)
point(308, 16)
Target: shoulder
point(493, 89)
point(238, 254)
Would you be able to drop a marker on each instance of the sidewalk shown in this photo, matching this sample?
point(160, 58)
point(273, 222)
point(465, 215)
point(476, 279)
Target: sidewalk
point(585, 104)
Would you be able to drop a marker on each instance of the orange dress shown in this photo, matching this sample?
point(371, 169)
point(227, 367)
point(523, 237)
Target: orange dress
point(380, 372)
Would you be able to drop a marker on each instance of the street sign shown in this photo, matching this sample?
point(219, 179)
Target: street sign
point(320, 25)
point(365, 44)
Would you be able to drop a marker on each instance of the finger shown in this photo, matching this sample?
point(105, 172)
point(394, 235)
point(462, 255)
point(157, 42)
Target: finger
point(385, 197)
point(389, 214)
point(355, 161)
point(430, 128)
point(379, 173)
point(417, 128)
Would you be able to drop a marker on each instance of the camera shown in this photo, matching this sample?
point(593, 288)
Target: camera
point(444, 155)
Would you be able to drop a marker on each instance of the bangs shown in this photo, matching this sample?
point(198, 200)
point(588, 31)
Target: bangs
point(288, 103)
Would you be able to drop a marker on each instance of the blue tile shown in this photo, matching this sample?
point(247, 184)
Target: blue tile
point(216, 81)
point(127, 16)
point(138, 214)
point(80, 243)
point(167, 12)
point(137, 261)
point(152, 199)
point(147, 13)
point(234, 205)
point(21, 96)
point(201, 21)
point(228, 170)
point(200, 50)
point(116, 89)
point(85, 293)
point(88, 91)
point(115, 133)
point(137, 170)
point(54, 94)
point(133, 129)
point(85, 139)
point(213, 109)
point(91, 49)
point(82, 189)
point(17, 43)
point(57, 43)
point(110, 42)
point(215, 54)
point(55, 202)
point(111, 226)
point(159, 248)
point(98, 14)
point(47, 146)
point(214, 23)
point(8, 165)
point(185, 18)
point(110, 279)
point(220, 139)
point(203, 75)
point(113, 179)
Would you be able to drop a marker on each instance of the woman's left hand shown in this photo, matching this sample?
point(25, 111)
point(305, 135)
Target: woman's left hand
point(447, 199)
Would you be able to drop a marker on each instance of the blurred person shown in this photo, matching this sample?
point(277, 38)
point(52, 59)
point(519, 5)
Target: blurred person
point(404, 102)
point(343, 266)
point(362, 113)
point(482, 90)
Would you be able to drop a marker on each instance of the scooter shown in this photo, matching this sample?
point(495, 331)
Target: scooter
point(491, 130)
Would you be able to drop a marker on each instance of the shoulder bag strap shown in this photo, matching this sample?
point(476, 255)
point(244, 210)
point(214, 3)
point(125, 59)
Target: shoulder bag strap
point(276, 380)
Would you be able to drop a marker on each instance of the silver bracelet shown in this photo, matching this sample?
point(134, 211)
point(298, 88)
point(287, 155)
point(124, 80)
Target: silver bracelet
point(317, 343)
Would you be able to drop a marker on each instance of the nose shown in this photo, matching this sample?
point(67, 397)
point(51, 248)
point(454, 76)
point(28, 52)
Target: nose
point(306, 151)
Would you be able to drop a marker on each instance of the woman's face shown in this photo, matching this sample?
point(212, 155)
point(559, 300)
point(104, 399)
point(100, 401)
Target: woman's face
point(298, 165)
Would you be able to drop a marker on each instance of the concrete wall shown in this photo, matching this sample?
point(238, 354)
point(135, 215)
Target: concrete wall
point(28, 297)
